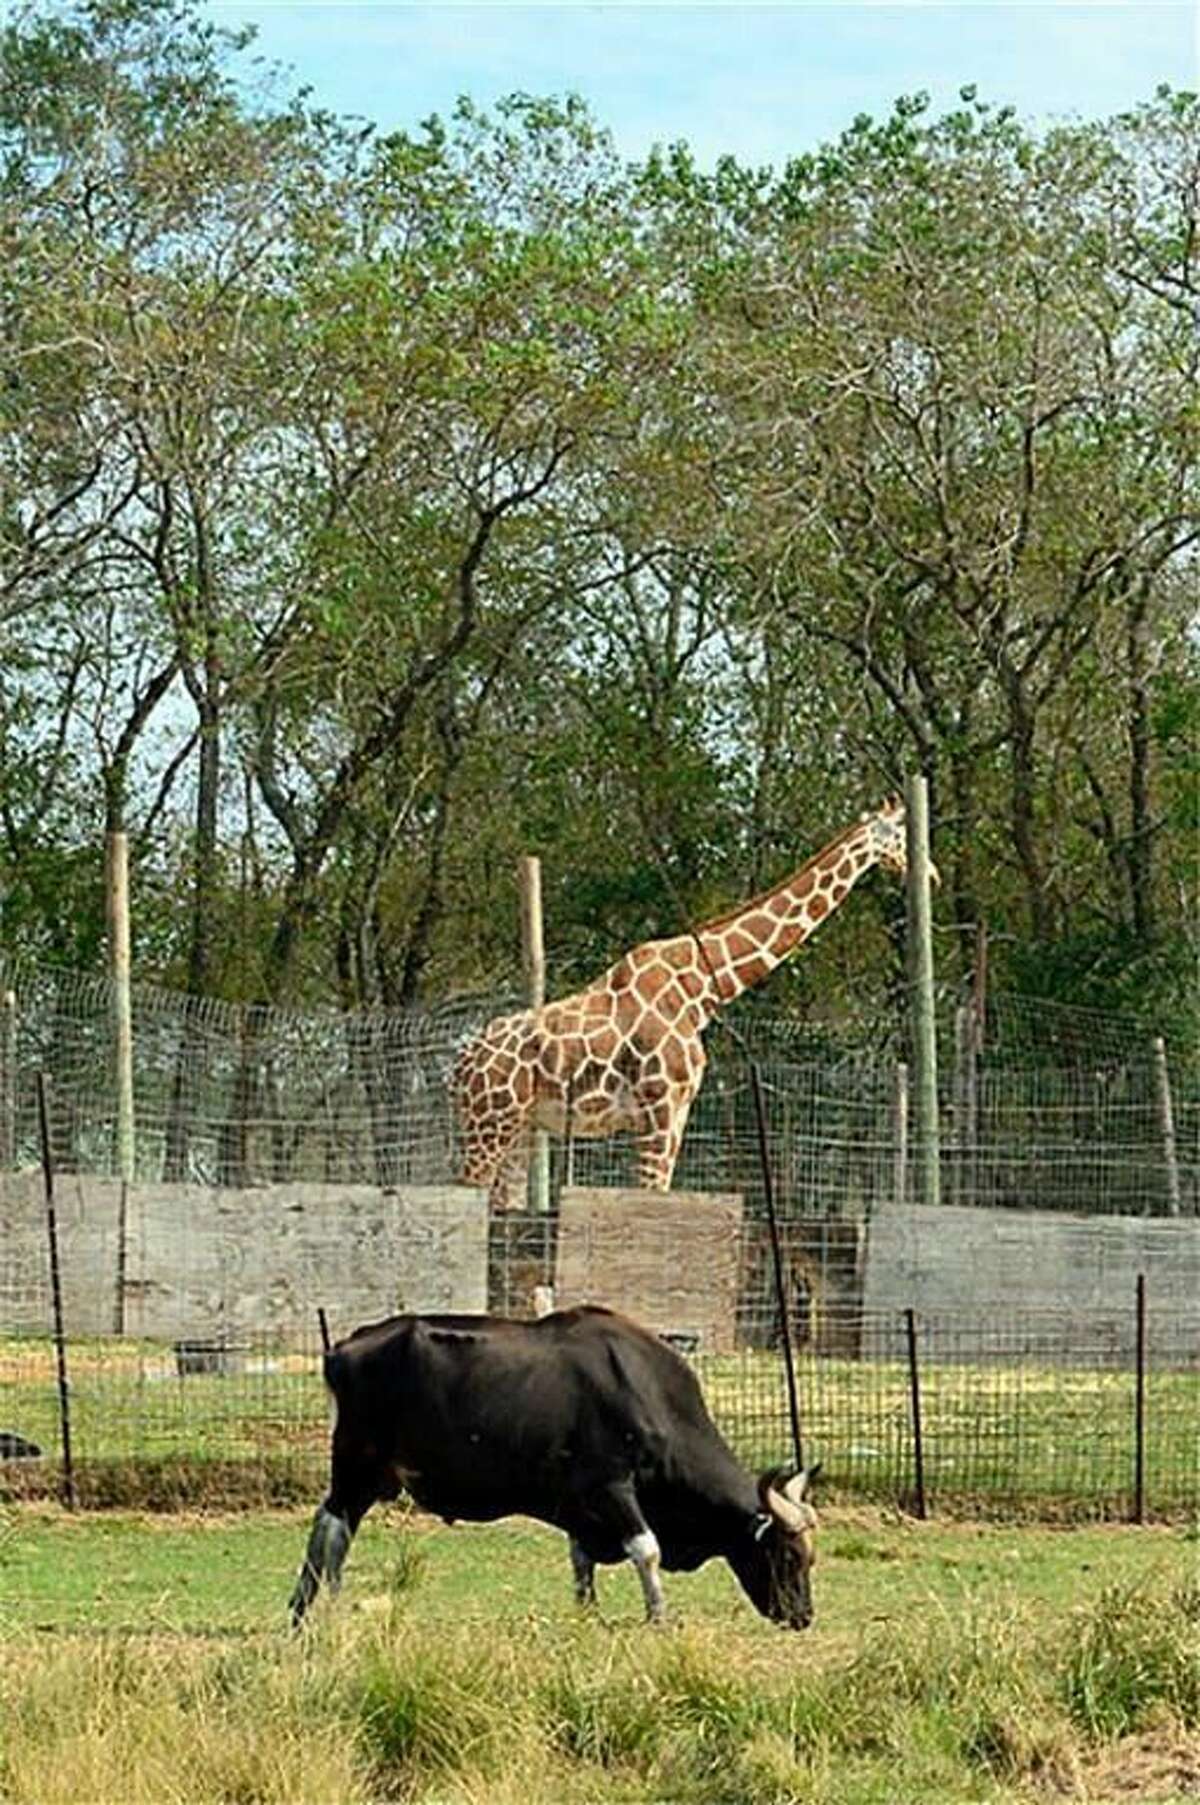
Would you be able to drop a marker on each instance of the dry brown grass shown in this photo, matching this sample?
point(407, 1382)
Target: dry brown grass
point(381, 1704)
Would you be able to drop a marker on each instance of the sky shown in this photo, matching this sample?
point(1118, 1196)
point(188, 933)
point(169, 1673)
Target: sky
point(761, 82)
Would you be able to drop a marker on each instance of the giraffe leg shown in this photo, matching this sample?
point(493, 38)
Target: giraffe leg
point(658, 1146)
point(494, 1156)
point(507, 1190)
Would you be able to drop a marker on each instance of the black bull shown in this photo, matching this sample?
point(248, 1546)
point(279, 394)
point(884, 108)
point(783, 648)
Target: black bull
point(582, 1420)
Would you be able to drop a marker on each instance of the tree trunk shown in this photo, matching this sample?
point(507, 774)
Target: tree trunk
point(1024, 826)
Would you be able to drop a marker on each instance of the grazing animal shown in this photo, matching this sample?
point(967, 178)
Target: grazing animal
point(581, 1419)
point(626, 1052)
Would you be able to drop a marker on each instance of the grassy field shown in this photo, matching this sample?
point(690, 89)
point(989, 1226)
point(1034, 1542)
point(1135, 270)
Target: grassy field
point(144, 1660)
point(1043, 1439)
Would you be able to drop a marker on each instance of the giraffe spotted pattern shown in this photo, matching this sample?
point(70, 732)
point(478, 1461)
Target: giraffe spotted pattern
point(625, 1054)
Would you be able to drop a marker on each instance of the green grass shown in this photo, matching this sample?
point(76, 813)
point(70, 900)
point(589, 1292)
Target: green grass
point(144, 1661)
point(123, 1569)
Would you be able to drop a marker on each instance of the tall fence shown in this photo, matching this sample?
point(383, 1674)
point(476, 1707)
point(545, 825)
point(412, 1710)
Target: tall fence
point(286, 1163)
point(1042, 1107)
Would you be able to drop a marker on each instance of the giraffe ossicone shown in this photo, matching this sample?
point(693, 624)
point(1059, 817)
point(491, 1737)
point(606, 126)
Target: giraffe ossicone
point(626, 1054)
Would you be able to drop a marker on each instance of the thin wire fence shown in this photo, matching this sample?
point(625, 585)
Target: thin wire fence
point(1002, 1434)
point(287, 1162)
point(248, 1096)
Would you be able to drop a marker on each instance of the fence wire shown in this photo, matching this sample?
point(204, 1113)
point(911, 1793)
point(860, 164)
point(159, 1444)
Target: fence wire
point(286, 1161)
point(239, 1096)
point(213, 1394)
point(1003, 1434)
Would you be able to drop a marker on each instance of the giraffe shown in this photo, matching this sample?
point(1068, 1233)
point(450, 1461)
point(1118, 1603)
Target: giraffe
point(626, 1053)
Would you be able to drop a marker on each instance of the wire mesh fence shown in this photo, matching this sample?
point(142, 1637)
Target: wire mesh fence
point(286, 1162)
point(188, 1425)
point(1060, 1414)
point(233, 1095)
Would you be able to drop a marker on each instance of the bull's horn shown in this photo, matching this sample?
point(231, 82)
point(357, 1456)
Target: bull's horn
point(801, 1483)
point(777, 1498)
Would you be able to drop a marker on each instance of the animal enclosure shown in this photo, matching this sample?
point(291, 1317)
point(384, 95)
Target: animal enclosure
point(1079, 1413)
point(288, 1164)
point(1042, 1106)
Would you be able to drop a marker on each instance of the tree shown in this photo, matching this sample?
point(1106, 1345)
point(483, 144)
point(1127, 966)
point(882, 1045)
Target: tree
point(966, 487)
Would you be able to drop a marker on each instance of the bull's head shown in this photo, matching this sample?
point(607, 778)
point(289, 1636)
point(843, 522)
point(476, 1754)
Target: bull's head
point(776, 1562)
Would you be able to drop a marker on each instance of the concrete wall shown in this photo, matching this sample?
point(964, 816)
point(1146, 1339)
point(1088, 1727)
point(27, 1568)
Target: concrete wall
point(87, 1211)
point(205, 1264)
point(201, 1263)
point(954, 1265)
point(671, 1262)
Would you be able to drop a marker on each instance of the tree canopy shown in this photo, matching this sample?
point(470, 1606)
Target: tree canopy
point(377, 508)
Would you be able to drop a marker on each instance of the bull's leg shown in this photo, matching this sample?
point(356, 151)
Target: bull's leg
point(353, 1490)
point(584, 1568)
point(643, 1550)
point(323, 1559)
point(624, 1513)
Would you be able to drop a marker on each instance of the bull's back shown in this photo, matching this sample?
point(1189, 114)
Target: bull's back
point(481, 1417)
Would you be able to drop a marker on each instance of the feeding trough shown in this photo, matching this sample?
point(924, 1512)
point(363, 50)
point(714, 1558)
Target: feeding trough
point(17, 1447)
point(208, 1357)
point(684, 1341)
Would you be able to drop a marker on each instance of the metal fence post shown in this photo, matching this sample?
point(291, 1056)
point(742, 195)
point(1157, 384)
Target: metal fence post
point(785, 1327)
point(914, 1392)
point(1139, 1404)
point(60, 1339)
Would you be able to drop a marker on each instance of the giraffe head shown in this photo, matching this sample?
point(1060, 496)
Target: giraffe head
point(887, 839)
point(886, 834)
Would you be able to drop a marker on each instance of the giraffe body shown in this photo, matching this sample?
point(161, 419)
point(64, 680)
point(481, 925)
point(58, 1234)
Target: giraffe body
point(626, 1053)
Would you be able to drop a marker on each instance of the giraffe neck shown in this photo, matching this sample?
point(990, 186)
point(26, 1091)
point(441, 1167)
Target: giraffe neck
point(743, 948)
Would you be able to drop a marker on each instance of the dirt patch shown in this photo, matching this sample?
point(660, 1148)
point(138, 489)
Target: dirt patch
point(1157, 1767)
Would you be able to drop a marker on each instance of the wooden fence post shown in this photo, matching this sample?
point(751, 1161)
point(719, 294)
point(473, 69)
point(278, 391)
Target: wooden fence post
point(533, 955)
point(900, 1133)
point(8, 1079)
point(122, 1259)
point(1166, 1117)
point(924, 1026)
point(122, 1007)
